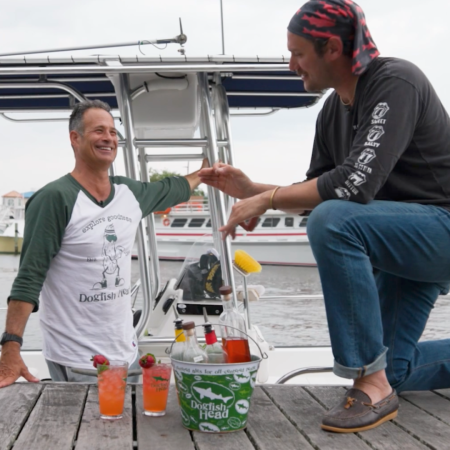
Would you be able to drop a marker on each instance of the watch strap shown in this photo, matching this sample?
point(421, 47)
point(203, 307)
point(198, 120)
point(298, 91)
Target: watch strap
point(7, 337)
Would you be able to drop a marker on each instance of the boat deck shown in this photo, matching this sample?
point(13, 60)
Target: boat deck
point(63, 416)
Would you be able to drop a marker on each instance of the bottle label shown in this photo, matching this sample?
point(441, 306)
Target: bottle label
point(198, 358)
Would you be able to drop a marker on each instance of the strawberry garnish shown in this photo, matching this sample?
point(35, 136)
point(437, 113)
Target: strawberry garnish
point(99, 360)
point(147, 361)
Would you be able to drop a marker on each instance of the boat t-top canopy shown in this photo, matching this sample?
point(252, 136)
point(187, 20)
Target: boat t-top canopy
point(54, 83)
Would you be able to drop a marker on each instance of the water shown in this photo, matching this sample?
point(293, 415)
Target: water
point(284, 322)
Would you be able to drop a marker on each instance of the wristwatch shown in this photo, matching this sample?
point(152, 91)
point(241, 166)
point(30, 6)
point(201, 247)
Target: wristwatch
point(6, 337)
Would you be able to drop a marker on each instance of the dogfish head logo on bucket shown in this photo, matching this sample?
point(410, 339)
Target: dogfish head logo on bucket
point(212, 400)
point(215, 398)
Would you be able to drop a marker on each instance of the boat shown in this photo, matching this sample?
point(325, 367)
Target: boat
point(159, 113)
point(278, 239)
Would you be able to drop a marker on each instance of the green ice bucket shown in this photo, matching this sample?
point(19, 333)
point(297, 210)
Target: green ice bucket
point(215, 398)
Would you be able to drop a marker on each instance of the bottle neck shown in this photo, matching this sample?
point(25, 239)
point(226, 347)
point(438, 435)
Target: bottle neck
point(179, 335)
point(211, 337)
point(191, 337)
point(227, 305)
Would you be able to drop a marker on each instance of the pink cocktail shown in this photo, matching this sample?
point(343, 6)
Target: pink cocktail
point(156, 380)
point(112, 384)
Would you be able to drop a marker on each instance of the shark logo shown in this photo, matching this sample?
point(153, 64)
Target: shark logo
point(208, 393)
point(375, 133)
point(242, 406)
point(242, 377)
point(380, 111)
point(160, 379)
point(367, 156)
point(253, 379)
point(235, 386)
point(208, 427)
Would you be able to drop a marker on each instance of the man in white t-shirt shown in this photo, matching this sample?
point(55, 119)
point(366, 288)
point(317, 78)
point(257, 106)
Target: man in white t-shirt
point(76, 257)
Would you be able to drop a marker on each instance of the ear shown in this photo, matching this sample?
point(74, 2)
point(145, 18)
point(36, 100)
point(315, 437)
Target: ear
point(74, 139)
point(334, 48)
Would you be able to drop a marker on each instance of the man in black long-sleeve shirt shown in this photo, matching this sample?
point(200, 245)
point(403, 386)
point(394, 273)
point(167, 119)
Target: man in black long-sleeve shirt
point(379, 189)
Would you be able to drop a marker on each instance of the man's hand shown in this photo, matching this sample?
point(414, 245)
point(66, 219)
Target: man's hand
point(193, 179)
point(250, 208)
point(228, 179)
point(12, 366)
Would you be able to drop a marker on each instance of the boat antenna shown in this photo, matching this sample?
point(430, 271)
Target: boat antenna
point(180, 39)
point(221, 22)
point(183, 38)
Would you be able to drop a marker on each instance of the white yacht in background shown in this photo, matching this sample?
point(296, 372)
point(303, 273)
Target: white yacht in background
point(278, 239)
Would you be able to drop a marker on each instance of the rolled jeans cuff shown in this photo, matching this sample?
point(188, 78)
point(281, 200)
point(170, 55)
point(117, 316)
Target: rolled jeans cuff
point(359, 372)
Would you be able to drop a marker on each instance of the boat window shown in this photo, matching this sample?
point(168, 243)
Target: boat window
point(178, 223)
point(271, 222)
point(303, 222)
point(196, 223)
point(208, 224)
point(288, 221)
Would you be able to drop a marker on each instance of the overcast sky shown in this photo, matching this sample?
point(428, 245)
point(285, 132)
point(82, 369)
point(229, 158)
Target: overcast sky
point(273, 149)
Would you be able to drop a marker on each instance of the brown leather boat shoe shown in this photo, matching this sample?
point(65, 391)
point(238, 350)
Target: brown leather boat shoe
point(357, 413)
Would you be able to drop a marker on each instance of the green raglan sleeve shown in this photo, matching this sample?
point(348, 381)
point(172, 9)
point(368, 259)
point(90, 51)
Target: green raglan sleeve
point(47, 214)
point(159, 195)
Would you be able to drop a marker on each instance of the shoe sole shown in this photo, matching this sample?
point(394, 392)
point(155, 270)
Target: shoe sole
point(391, 416)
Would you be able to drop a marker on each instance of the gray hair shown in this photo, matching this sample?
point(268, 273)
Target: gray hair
point(76, 118)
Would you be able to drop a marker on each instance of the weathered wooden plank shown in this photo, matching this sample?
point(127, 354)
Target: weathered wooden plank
point(161, 433)
point(54, 421)
point(227, 441)
point(443, 392)
point(105, 434)
point(432, 403)
point(423, 426)
point(306, 413)
point(269, 429)
point(16, 402)
point(387, 436)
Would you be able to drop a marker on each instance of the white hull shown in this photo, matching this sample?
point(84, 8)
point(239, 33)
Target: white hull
point(276, 244)
point(266, 251)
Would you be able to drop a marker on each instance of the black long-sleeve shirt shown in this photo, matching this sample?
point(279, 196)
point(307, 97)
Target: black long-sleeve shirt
point(392, 144)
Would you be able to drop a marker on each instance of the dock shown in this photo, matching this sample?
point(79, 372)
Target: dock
point(65, 416)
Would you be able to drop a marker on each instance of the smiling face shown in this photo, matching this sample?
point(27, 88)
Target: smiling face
point(96, 146)
point(312, 68)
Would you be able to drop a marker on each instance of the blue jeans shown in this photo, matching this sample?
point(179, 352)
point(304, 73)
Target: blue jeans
point(382, 267)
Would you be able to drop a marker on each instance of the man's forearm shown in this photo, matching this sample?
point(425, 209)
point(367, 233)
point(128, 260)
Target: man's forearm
point(259, 188)
point(17, 317)
point(295, 198)
point(193, 179)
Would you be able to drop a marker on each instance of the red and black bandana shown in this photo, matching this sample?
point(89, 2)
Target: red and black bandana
point(322, 19)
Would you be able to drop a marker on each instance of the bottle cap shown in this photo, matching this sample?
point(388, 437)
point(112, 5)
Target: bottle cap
point(178, 324)
point(188, 325)
point(225, 290)
point(208, 327)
